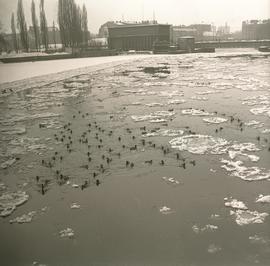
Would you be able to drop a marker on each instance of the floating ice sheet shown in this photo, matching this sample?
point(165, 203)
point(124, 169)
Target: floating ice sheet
point(240, 155)
point(13, 130)
point(200, 144)
point(75, 206)
point(263, 199)
point(207, 228)
point(264, 110)
point(195, 112)
point(236, 204)
point(25, 218)
point(247, 173)
point(158, 116)
point(215, 120)
point(171, 180)
point(176, 101)
point(20, 117)
point(246, 146)
point(200, 98)
point(207, 92)
point(265, 131)
point(154, 104)
point(165, 133)
point(9, 202)
point(244, 217)
point(68, 233)
point(165, 210)
point(254, 124)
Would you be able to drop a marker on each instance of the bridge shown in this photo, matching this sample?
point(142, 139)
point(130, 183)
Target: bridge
point(233, 44)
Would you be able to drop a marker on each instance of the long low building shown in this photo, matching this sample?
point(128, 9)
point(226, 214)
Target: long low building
point(139, 36)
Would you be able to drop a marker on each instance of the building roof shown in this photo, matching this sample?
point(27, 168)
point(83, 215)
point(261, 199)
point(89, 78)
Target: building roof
point(121, 25)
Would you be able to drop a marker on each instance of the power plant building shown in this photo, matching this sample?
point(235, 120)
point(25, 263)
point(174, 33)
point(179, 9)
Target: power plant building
point(256, 30)
point(137, 36)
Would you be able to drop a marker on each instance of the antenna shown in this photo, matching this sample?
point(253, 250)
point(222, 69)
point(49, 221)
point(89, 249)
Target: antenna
point(154, 16)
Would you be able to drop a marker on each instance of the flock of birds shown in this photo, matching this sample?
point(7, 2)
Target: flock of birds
point(104, 146)
point(100, 147)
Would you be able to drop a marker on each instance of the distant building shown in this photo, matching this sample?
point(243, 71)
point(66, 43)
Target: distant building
point(256, 30)
point(182, 31)
point(195, 30)
point(103, 30)
point(201, 29)
point(137, 36)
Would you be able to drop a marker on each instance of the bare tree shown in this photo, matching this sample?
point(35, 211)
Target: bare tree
point(43, 26)
point(21, 23)
point(72, 23)
point(85, 26)
point(14, 34)
point(35, 25)
point(54, 37)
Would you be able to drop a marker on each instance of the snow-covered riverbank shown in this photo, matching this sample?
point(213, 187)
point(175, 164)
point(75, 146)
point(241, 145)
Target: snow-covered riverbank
point(19, 71)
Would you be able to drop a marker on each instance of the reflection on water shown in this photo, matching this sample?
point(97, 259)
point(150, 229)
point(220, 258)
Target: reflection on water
point(135, 161)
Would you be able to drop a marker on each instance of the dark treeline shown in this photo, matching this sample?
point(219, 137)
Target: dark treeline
point(72, 21)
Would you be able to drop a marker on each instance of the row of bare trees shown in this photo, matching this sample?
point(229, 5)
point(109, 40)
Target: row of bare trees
point(72, 21)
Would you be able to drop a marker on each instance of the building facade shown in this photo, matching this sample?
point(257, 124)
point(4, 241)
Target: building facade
point(256, 30)
point(195, 30)
point(138, 36)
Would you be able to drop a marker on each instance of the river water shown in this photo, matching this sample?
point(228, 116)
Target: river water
point(161, 160)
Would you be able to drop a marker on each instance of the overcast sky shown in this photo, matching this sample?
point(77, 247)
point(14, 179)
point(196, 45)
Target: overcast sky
point(166, 11)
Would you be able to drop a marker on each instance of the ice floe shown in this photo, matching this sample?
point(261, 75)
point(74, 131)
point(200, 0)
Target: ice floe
point(75, 206)
point(165, 133)
point(195, 112)
point(257, 100)
point(68, 233)
point(10, 200)
point(13, 130)
point(165, 210)
point(176, 101)
point(240, 155)
point(25, 218)
point(207, 228)
point(207, 92)
point(265, 131)
point(26, 144)
point(263, 199)
point(158, 116)
point(136, 103)
point(200, 98)
point(21, 117)
point(171, 94)
point(170, 180)
point(200, 144)
point(154, 104)
point(254, 124)
point(244, 217)
point(246, 146)
point(264, 110)
point(235, 204)
point(247, 173)
point(215, 120)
